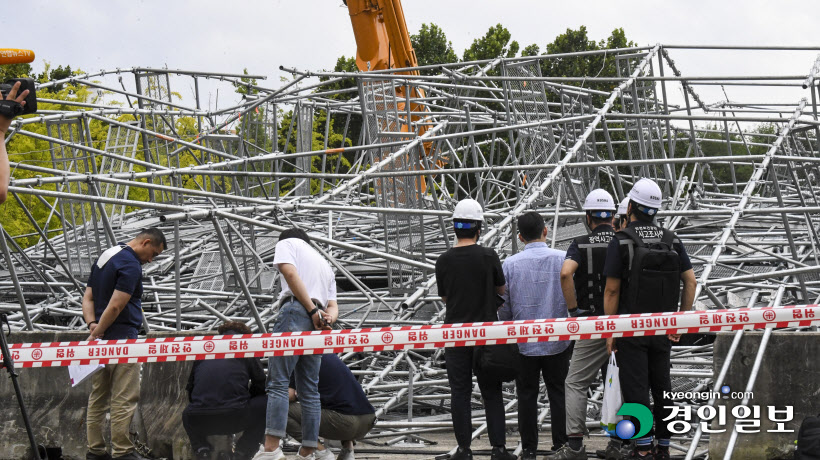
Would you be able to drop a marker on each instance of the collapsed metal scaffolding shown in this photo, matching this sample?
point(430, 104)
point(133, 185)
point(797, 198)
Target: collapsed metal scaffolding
point(371, 164)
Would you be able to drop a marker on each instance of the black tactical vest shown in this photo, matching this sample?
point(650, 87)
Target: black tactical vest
point(589, 279)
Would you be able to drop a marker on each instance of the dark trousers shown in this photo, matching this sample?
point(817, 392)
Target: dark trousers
point(459, 363)
point(249, 420)
point(554, 368)
point(644, 365)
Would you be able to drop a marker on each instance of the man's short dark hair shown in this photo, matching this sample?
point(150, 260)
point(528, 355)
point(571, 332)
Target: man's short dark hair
point(294, 233)
point(640, 215)
point(599, 220)
point(530, 225)
point(234, 327)
point(153, 234)
point(468, 233)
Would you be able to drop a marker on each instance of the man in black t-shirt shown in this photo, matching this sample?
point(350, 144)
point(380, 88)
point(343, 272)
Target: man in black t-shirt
point(644, 361)
point(469, 279)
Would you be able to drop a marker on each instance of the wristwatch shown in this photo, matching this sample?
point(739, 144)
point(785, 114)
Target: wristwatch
point(313, 312)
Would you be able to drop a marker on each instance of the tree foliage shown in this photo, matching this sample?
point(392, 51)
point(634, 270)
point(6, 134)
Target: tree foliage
point(495, 43)
point(432, 47)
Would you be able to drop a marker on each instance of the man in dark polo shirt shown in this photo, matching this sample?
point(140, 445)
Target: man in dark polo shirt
point(645, 266)
point(112, 308)
point(346, 413)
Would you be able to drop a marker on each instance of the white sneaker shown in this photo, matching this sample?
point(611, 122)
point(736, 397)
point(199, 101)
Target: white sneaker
point(275, 455)
point(324, 455)
point(309, 457)
point(346, 454)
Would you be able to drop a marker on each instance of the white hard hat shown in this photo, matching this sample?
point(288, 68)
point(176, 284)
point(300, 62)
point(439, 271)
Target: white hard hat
point(468, 209)
point(646, 192)
point(623, 206)
point(600, 200)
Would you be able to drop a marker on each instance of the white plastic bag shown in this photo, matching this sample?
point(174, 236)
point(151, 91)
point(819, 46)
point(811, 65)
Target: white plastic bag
point(613, 399)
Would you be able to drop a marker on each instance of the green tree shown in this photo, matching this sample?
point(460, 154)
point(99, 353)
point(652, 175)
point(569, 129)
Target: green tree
point(531, 50)
point(495, 43)
point(14, 71)
point(50, 74)
point(574, 41)
point(343, 64)
point(432, 47)
point(26, 150)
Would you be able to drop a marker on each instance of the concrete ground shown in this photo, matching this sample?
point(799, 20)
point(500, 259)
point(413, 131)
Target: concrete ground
point(444, 442)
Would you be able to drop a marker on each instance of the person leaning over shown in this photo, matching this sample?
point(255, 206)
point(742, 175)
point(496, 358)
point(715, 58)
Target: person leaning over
point(582, 282)
point(305, 276)
point(534, 292)
point(469, 277)
point(112, 308)
point(221, 402)
point(645, 265)
point(346, 413)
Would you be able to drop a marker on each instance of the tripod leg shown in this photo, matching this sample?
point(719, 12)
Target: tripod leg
point(9, 364)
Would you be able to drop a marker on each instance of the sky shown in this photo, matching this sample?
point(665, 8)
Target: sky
point(259, 35)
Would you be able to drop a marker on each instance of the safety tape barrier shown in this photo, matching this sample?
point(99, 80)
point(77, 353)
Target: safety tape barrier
point(404, 337)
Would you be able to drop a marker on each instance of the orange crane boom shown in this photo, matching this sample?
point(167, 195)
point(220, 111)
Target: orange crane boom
point(382, 43)
point(381, 35)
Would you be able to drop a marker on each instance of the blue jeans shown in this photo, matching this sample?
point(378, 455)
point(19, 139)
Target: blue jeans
point(292, 318)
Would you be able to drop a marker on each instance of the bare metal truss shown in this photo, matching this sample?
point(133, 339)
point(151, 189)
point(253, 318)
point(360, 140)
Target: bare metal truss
point(743, 199)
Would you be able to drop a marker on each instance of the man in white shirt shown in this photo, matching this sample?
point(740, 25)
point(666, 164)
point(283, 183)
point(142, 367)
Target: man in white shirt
point(307, 279)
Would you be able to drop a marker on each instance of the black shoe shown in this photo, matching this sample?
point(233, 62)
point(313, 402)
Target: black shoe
point(528, 454)
point(462, 454)
point(500, 453)
point(92, 456)
point(133, 455)
point(566, 453)
point(615, 450)
point(661, 453)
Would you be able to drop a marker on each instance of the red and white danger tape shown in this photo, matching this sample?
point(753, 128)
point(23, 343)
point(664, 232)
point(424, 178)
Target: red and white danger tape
point(398, 338)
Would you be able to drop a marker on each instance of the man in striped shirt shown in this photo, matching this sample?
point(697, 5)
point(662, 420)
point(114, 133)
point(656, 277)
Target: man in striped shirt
point(534, 292)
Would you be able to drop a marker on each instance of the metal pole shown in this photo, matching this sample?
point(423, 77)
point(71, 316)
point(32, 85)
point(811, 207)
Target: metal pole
point(228, 253)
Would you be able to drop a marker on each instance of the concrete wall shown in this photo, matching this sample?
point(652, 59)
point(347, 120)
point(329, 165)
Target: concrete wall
point(789, 376)
point(57, 411)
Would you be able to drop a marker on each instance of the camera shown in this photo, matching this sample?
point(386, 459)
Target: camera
point(25, 84)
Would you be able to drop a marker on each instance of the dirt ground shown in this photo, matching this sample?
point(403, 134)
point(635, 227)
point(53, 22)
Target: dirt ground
point(444, 442)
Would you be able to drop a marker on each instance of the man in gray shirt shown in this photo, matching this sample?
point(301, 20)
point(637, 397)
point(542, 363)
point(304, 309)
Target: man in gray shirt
point(534, 292)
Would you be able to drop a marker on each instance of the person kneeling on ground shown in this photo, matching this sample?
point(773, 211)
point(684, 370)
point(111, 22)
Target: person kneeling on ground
point(346, 413)
point(221, 402)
